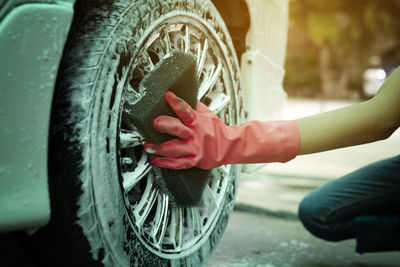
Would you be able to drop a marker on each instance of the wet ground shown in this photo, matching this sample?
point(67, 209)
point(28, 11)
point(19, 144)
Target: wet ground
point(267, 241)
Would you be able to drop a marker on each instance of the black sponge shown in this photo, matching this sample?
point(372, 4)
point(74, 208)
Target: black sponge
point(177, 73)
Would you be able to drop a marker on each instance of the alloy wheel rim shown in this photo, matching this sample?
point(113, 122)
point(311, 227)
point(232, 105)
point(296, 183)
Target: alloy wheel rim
point(166, 230)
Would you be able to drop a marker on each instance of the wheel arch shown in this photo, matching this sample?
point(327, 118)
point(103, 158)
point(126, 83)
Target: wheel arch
point(237, 19)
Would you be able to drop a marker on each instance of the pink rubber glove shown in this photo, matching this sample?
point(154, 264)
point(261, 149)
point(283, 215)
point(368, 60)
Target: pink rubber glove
point(204, 141)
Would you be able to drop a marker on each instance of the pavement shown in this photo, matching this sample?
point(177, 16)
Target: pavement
point(267, 241)
point(264, 229)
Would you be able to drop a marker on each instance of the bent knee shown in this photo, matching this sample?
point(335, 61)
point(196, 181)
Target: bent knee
point(309, 211)
point(313, 215)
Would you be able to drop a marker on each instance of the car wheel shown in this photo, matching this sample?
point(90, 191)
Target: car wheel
point(106, 204)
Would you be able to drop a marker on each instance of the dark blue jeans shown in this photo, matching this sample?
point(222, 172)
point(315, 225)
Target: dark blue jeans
point(364, 204)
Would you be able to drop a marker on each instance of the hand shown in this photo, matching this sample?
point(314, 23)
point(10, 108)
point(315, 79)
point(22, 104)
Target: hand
point(204, 141)
point(199, 135)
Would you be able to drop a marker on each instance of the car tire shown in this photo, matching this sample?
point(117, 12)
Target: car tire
point(100, 214)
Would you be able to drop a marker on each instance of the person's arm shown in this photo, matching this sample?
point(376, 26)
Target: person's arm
point(361, 123)
point(204, 141)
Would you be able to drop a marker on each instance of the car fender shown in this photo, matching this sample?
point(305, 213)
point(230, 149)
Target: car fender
point(262, 64)
point(32, 38)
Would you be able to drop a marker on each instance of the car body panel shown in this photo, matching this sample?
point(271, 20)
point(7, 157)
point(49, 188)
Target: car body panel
point(7, 6)
point(32, 38)
point(262, 65)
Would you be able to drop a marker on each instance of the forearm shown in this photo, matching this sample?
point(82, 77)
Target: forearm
point(339, 128)
point(365, 122)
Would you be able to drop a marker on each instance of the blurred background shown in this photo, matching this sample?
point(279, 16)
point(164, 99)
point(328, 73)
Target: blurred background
point(338, 53)
point(332, 44)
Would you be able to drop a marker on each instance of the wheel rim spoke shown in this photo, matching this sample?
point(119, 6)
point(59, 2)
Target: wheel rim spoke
point(198, 56)
point(166, 41)
point(209, 199)
point(161, 219)
point(210, 80)
point(195, 220)
point(219, 102)
point(218, 175)
point(132, 178)
point(142, 209)
point(129, 138)
point(224, 169)
point(187, 39)
point(131, 98)
point(202, 58)
point(147, 59)
point(176, 227)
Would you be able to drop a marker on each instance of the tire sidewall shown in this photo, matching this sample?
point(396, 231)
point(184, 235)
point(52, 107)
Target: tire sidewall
point(101, 209)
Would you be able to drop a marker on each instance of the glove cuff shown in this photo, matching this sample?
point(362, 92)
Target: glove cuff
point(261, 142)
point(290, 140)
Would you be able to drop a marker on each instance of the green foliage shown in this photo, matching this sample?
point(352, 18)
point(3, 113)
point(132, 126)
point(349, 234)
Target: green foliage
point(323, 29)
point(338, 21)
point(352, 30)
point(324, 6)
point(302, 77)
